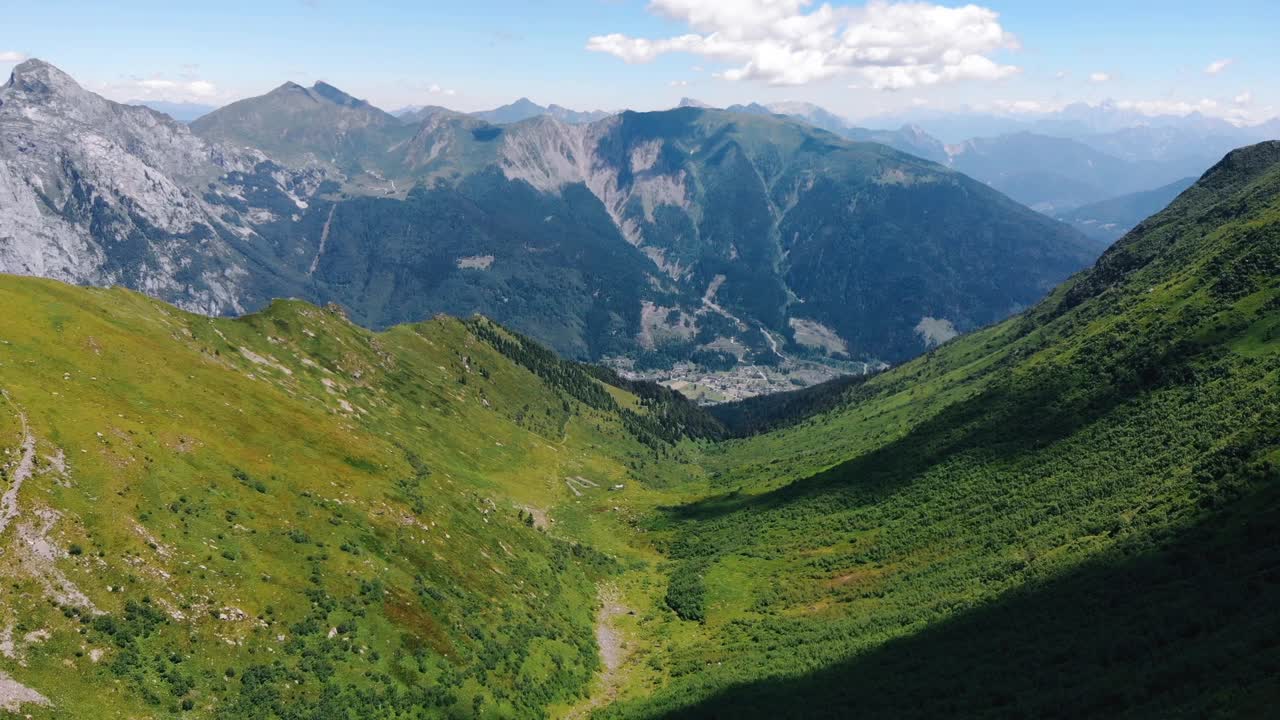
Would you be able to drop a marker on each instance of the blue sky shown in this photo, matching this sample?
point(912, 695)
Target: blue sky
point(1033, 55)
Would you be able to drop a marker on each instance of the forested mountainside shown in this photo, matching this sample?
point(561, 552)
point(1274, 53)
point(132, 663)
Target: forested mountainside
point(661, 236)
point(1071, 513)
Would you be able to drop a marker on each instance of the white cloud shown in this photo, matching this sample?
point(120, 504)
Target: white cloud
point(1099, 77)
point(1061, 75)
point(12, 56)
point(161, 88)
point(679, 83)
point(784, 42)
point(1244, 98)
point(1217, 66)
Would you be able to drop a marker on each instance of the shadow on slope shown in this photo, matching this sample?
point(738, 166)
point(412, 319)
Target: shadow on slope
point(1188, 629)
point(1006, 420)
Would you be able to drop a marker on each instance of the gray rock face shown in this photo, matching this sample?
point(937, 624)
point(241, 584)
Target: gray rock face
point(95, 192)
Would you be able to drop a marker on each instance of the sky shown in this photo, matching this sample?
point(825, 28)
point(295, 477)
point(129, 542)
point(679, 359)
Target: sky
point(857, 59)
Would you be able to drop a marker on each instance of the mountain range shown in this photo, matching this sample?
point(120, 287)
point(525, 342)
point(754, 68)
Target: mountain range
point(1070, 513)
point(1110, 219)
point(1058, 162)
point(667, 234)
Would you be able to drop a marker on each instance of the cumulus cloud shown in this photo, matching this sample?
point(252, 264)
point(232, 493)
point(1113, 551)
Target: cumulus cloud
point(1099, 77)
point(158, 87)
point(12, 56)
point(891, 46)
point(186, 88)
point(1244, 98)
point(437, 90)
point(679, 83)
point(1217, 66)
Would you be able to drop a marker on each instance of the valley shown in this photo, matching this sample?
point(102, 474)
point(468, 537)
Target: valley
point(764, 359)
point(286, 515)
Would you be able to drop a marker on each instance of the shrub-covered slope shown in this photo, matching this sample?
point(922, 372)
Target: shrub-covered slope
point(1072, 513)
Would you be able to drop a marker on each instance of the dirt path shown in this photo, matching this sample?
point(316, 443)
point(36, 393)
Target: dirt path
point(37, 554)
point(12, 693)
point(612, 655)
point(26, 465)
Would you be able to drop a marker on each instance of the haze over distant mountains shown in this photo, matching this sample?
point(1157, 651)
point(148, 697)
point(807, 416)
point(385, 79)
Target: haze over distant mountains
point(1052, 162)
point(667, 235)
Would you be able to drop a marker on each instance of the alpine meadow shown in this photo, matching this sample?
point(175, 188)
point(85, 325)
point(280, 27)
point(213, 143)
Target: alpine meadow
point(934, 404)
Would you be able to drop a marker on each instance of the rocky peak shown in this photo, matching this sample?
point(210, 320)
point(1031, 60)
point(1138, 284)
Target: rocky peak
point(289, 87)
point(334, 95)
point(37, 80)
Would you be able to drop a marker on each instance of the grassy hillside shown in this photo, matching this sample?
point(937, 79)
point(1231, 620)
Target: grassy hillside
point(1071, 513)
point(283, 515)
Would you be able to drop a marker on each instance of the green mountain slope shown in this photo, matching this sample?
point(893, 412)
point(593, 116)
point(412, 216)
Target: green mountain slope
point(284, 515)
point(1072, 513)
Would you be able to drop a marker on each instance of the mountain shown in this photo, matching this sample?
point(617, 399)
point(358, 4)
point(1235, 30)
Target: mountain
point(1081, 155)
point(319, 125)
point(814, 115)
point(950, 126)
point(1052, 173)
point(1079, 119)
point(180, 111)
point(1110, 219)
point(714, 253)
point(105, 194)
point(910, 139)
point(655, 236)
point(419, 113)
point(1075, 121)
point(524, 109)
point(1074, 512)
point(575, 117)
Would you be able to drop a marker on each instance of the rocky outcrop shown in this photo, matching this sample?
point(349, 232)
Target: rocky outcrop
point(96, 192)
